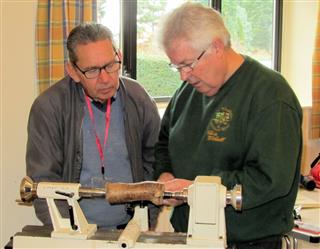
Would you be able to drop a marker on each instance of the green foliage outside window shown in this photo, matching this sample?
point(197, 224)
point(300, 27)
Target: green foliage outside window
point(155, 75)
point(250, 25)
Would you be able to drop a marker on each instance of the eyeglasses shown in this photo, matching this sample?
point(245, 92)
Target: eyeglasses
point(93, 73)
point(187, 67)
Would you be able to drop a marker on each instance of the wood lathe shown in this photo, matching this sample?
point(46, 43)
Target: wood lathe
point(207, 199)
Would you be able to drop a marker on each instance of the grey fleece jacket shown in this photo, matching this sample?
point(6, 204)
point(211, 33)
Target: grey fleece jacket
point(54, 146)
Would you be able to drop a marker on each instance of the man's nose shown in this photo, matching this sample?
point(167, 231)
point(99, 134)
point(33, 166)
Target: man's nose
point(183, 74)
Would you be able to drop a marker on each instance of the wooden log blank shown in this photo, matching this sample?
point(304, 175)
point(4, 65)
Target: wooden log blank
point(128, 192)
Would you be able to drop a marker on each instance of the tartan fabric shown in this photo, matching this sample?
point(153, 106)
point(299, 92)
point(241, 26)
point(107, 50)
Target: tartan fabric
point(315, 115)
point(55, 19)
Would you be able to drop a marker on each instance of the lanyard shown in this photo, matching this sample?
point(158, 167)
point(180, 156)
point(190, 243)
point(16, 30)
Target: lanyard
point(106, 132)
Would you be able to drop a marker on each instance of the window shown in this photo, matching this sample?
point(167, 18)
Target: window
point(109, 15)
point(254, 28)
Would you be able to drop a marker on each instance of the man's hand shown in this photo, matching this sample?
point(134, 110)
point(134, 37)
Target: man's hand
point(173, 184)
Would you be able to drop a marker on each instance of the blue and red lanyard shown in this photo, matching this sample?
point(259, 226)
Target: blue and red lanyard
point(106, 132)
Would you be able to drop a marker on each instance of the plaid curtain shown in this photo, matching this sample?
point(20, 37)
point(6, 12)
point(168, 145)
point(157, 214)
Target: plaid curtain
point(315, 121)
point(55, 19)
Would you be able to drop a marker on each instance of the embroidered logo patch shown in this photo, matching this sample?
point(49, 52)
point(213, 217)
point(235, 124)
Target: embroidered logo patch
point(219, 123)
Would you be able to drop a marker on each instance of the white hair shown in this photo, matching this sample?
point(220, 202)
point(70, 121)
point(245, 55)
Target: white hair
point(194, 23)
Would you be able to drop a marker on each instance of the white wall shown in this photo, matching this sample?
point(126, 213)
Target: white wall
point(18, 89)
point(299, 26)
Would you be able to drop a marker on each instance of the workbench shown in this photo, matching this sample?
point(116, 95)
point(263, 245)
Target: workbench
point(310, 214)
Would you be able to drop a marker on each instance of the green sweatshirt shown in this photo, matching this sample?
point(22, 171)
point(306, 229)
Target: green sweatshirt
point(249, 133)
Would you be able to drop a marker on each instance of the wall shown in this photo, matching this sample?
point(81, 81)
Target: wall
point(297, 45)
point(18, 90)
point(311, 147)
point(299, 25)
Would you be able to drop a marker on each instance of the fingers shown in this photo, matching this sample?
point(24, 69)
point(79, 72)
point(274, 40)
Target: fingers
point(165, 177)
point(177, 184)
point(173, 184)
point(172, 202)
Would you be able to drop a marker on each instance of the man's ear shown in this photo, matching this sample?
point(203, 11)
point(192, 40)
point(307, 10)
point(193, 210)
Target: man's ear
point(72, 72)
point(119, 54)
point(218, 45)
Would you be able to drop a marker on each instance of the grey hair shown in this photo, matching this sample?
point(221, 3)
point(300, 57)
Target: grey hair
point(195, 23)
point(86, 33)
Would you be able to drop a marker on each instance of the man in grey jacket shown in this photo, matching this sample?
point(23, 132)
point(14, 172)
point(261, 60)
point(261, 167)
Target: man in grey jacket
point(92, 126)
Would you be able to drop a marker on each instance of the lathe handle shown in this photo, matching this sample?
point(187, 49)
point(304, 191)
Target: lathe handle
point(128, 192)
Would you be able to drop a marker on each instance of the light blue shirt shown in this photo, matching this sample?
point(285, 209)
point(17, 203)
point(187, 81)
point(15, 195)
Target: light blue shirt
point(116, 161)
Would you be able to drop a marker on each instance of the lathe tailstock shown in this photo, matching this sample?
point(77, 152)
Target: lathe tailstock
point(207, 199)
